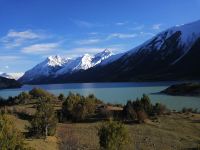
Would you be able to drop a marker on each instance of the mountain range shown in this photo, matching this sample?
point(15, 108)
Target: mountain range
point(170, 55)
point(15, 76)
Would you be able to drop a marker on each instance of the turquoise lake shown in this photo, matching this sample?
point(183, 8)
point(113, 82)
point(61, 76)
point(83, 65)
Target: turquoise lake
point(116, 92)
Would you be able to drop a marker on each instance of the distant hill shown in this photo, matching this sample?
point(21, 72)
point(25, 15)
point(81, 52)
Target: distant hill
point(8, 83)
point(184, 89)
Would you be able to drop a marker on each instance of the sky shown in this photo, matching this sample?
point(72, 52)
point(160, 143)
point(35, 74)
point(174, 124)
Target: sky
point(31, 30)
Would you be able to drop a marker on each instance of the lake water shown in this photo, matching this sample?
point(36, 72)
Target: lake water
point(116, 92)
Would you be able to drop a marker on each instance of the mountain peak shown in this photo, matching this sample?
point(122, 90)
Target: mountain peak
point(55, 60)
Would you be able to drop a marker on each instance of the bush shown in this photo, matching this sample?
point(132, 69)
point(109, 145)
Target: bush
point(146, 104)
point(61, 97)
point(113, 135)
point(44, 121)
point(142, 108)
point(128, 112)
point(159, 109)
point(40, 93)
point(141, 116)
point(10, 137)
point(78, 108)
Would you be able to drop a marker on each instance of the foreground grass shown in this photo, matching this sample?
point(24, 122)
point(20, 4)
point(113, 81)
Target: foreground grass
point(175, 131)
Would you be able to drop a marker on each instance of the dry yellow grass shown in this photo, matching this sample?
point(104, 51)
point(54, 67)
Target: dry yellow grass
point(175, 131)
point(51, 143)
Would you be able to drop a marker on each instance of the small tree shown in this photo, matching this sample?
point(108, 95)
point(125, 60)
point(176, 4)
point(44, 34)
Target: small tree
point(10, 137)
point(128, 112)
point(44, 121)
point(146, 104)
point(113, 136)
point(61, 97)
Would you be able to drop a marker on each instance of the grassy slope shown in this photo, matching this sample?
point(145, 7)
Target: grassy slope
point(175, 131)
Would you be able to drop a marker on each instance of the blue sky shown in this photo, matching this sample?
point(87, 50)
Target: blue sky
point(31, 30)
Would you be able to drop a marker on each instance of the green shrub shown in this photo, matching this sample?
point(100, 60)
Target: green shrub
point(40, 93)
point(142, 108)
point(78, 108)
point(10, 137)
point(113, 136)
point(61, 97)
point(159, 109)
point(128, 112)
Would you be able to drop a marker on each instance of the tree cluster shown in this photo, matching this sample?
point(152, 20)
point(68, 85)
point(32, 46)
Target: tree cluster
point(142, 108)
point(78, 108)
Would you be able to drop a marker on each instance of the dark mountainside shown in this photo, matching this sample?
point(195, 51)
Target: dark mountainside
point(170, 55)
point(8, 83)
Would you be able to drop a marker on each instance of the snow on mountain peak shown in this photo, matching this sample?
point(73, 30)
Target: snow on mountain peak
point(57, 65)
point(56, 61)
point(15, 76)
point(187, 34)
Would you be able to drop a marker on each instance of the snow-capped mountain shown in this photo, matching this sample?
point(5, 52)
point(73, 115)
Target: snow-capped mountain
point(84, 62)
point(45, 69)
point(170, 55)
point(55, 66)
point(181, 36)
point(15, 76)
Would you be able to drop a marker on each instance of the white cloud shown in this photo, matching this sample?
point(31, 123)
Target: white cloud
point(121, 23)
point(93, 33)
point(120, 36)
point(139, 27)
point(9, 58)
point(86, 24)
point(88, 41)
point(156, 26)
point(147, 34)
point(83, 23)
point(28, 34)
point(40, 48)
point(16, 39)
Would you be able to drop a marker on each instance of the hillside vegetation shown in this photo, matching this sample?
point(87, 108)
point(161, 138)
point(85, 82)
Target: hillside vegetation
point(85, 122)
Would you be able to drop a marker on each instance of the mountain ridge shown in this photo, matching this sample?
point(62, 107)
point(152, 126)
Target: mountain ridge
point(172, 54)
point(55, 66)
